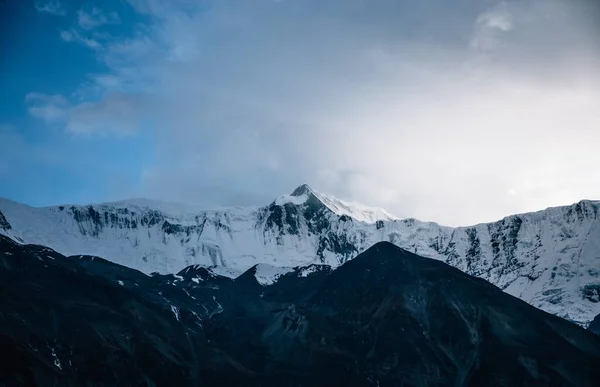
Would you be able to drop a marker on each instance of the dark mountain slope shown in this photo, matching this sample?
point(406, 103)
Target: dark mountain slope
point(403, 318)
point(67, 321)
point(595, 325)
point(387, 318)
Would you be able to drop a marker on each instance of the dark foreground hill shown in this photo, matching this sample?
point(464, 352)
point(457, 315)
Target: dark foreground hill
point(386, 318)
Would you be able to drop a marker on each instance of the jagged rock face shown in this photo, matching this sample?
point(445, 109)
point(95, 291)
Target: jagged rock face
point(387, 317)
point(550, 258)
point(4, 225)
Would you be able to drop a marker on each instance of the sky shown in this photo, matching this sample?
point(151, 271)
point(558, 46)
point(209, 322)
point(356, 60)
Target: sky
point(457, 111)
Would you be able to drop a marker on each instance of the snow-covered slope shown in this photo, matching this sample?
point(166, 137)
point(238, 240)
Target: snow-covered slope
point(549, 258)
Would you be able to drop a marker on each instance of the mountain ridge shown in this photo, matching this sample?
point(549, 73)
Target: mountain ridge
point(548, 258)
point(387, 317)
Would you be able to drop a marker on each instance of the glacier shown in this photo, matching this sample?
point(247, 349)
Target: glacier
point(549, 258)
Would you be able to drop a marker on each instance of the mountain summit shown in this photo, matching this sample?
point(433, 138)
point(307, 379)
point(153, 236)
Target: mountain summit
point(303, 189)
point(354, 210)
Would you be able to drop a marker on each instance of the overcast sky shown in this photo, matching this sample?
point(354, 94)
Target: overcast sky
point(455, 111)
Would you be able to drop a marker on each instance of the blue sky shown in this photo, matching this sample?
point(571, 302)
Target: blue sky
point(456, 112)
point(41, 163)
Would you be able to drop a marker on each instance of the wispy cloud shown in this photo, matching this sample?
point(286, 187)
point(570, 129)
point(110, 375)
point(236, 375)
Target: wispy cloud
point(95, 17)
point(114, 113)
point(490, 26)
point(74, 36)
point(50, 108)
point(54, 7)
point(371, 101)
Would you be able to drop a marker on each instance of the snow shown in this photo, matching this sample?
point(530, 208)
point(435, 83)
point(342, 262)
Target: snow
point(356, 210)
point(175, 311)
point(218, 310)
point(267, 274)
point(306, 271)
point(55, 359)
point(226, 271)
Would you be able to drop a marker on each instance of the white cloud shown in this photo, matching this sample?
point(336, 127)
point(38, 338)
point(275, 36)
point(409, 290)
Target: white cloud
point(95, 17)
point(54, 7)
point(50, 108)
point(369, 101)
point(490, 27)
point(500, 19)
point(115, 113)
point(76, 37)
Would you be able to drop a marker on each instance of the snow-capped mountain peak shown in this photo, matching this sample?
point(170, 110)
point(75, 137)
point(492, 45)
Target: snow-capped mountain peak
point(548, 258)
point(356, 211)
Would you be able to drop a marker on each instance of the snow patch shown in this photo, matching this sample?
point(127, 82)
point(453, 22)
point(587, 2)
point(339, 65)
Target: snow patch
point(175, 311)
point(268, 274)
point(177, 278)
point(225, 271)
point(55, 358)
point(218, 310)
point(308, 270)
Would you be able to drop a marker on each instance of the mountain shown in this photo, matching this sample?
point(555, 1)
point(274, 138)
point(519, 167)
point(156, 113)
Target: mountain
point(387, 317)
point(550, 258)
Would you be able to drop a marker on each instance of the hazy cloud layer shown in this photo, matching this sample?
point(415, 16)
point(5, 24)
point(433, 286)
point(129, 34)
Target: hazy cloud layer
point(457, 113)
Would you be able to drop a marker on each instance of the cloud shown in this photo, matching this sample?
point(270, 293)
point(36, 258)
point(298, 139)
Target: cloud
point(431, 110)
point(95, 17)
point(500, 18)
point(115, 113)
point(50, 108)
point(74, 36)
point(490, 27)
point(54, 7)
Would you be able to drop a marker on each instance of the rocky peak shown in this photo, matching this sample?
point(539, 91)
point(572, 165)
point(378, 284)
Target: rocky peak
point(303, 189)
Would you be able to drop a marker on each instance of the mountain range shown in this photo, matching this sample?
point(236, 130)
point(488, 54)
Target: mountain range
point(385, 318)
point(549, 258)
